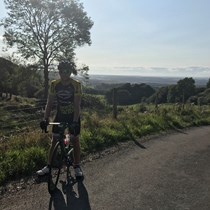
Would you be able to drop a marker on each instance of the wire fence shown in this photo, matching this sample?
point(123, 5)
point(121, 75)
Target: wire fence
point(14, 119)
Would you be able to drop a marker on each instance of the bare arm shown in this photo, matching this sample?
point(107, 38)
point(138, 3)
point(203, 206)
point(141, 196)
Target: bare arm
point(77, 101)
point(48, 107)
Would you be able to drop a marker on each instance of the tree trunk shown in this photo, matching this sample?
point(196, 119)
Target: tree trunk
point(183, 100)
point(114, 103)
point(46, 80)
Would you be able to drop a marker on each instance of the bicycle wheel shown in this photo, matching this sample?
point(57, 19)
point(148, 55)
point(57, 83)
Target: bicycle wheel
point(56, 164)
point(70, 155)
point(69, 164)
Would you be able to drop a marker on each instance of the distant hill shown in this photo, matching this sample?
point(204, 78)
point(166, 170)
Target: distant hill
point(153, 81)
point(121, 79)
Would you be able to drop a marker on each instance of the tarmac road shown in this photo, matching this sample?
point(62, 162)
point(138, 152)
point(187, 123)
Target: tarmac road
point(171, 173)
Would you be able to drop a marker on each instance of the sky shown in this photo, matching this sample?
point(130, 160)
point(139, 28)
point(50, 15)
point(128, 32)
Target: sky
point(146, 37)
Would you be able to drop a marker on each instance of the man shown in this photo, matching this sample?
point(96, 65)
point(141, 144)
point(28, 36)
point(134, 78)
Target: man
point(68, 94)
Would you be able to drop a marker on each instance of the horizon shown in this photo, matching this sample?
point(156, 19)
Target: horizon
point(124, 75)
point(196, 72)
point(150, 80)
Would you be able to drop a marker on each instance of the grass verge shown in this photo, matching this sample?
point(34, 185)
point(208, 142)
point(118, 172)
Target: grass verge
point(22, 154)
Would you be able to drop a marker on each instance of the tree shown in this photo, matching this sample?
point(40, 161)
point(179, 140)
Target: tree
point(131, 94)
point(28, 80)
point(46, 30)
point(161, 95)
point(7, 69)
point(123, 97)
point(208, 84)
point(186, 88)
point(140, 91)
point(173, 95)
point(18, 79)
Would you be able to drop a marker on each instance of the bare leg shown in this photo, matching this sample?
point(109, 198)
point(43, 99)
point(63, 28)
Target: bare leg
point(45, 170)
point(53, 143)
point(76, 144)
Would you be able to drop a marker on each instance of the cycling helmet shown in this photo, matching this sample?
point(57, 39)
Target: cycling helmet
point(66, 65)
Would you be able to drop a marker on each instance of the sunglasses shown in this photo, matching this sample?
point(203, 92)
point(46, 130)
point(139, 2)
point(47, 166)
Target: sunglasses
point(64, 71)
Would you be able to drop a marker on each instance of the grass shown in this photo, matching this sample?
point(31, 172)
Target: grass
point(22, 154)
point(17, 114)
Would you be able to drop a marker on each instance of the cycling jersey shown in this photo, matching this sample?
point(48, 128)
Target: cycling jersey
point(65, 100)
point(65, 95)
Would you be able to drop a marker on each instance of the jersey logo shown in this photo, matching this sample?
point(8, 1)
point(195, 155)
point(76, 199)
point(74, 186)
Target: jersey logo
point(64, 96)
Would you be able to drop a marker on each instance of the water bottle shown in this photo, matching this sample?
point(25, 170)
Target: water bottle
point(67, 140)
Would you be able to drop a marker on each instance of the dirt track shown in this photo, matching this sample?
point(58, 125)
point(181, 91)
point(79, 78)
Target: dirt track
point(171, 173)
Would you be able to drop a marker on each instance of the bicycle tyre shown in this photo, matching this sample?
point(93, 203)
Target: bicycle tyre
point(56, 164)
point(70, 155)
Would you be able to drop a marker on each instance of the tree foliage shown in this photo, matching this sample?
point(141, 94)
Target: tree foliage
point(208, 84)
point(160, 96)
point(185, 88)
point(46, 30)
point(180, 92)
point(173, 95)
point(6, 70)
point(130, 93)
point(19, 79)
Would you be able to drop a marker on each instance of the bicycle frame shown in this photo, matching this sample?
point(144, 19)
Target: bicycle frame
point(62, 127)
point(66, 156)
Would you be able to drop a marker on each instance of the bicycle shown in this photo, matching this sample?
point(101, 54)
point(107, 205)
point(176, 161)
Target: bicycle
point(62, 155)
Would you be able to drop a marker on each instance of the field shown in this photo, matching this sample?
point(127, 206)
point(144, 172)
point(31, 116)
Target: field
point(152, 81)
point(24, 148)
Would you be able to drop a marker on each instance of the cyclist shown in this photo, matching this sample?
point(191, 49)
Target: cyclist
point(67, 91)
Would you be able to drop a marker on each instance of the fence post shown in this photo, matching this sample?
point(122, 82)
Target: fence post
point(114, 99)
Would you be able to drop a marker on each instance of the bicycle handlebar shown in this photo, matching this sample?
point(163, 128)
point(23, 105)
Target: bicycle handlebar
point(56, 123)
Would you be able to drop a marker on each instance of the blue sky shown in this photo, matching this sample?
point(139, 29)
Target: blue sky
point(147, 37)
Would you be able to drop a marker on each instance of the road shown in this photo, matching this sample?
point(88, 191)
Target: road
point(171, 173)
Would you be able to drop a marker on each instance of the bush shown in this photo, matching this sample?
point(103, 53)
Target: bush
point(25, 153)
point(93, 102)
point(17, 163)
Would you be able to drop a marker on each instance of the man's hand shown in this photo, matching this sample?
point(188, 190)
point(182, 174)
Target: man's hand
point(75, 129)
point(43, 125)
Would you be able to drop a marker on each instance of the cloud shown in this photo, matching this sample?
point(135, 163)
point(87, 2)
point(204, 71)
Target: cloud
point(194, 71)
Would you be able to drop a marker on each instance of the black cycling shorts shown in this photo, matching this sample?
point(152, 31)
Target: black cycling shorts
point(69, 119)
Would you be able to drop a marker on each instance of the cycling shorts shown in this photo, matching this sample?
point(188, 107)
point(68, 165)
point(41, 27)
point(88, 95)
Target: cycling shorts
point(67, 119)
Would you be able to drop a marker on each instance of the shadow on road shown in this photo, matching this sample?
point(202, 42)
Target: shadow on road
point(69, 198)
point(132, 137)
point(40, 179)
